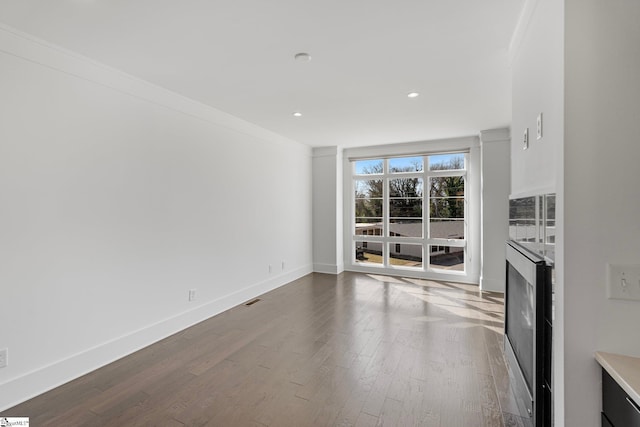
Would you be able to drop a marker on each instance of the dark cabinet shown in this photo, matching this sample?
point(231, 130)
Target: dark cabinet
point(618, 409)
point(605, 421)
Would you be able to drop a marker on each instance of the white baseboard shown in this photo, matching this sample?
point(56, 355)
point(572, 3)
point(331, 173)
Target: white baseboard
point(456, 278)
point(492, 285)
point(34, 383)
point(328, 268)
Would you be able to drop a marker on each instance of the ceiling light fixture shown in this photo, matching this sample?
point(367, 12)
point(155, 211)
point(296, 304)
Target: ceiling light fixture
point(413, 94)
point(302, 57)
point(297, 114)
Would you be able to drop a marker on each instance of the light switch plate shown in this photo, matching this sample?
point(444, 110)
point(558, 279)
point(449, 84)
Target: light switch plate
point(525, 139)
point(623, 281)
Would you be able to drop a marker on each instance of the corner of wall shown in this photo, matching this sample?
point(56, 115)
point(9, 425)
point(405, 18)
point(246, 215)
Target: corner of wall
point(495, 188)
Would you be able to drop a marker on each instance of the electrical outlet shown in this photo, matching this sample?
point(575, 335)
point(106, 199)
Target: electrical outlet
point(192, 294)
point(623, 281)
point(525, 139)
point(4, 357)
point(539, 127)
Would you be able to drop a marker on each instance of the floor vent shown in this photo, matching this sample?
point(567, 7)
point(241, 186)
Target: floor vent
point(253, 301)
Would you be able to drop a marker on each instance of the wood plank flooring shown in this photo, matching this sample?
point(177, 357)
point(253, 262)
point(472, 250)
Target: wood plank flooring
point(324, 350)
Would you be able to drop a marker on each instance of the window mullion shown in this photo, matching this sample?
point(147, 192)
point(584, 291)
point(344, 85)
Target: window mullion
point(426, 213)
point(385, 213)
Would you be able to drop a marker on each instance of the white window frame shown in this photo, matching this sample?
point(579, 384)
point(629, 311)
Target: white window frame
point(470, 147)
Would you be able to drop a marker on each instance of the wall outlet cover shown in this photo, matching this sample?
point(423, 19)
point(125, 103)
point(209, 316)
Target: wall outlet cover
point(4, 357)
point(539, 127)
point(525, 139)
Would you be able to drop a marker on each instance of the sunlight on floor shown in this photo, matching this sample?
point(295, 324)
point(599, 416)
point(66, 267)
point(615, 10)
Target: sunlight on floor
point(428, 319)
point(458, 300)
point(385, 279)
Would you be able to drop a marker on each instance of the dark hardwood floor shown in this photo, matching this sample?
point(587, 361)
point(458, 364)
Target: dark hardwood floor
point(346, 350)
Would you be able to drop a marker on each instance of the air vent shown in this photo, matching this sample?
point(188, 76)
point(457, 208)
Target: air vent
point(253, 301)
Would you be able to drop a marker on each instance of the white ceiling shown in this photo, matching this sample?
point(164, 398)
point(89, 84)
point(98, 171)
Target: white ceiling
point(237, 56)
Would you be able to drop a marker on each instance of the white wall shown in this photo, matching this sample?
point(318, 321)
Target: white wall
point(537, 58)
point(602, 197)
point(494, 212)
point(327, 210)
point(596, 177)
point(117, 197)
point(538, 87)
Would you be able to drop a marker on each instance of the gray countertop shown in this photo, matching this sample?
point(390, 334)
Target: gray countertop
point(624, 369)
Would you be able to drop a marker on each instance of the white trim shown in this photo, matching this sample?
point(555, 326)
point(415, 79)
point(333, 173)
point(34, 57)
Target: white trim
point(421, 148)
point(36, 382)
point(27, 47)
point(495, 135)
point(446, 172)
point(414, 274)
point(435, 241)
point(351, 155)
point(328, 268)
point(492, 285)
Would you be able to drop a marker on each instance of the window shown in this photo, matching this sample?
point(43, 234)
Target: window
point(411, 206)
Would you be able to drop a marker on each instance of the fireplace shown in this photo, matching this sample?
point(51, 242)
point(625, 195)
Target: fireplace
point(529, 306)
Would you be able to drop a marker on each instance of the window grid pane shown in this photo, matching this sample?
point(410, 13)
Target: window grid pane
point(405, 255)
point(405, 227)
point(447, 162)
point(446, 258)
point(405, 207)
point(368, 167)
point(368, 252)
point(446, 228)
point(406, 164)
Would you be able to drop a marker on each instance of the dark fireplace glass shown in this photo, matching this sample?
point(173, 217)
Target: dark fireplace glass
point(519, 327)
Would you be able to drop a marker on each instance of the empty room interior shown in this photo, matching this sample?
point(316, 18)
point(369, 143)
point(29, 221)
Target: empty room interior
point(305, 213)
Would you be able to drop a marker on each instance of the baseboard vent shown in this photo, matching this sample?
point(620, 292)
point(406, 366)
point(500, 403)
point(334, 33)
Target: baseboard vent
point(253, 301)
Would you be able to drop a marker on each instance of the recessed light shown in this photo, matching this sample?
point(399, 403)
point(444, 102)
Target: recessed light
point(413, 94)
point(302, 57)
point(297, 114)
